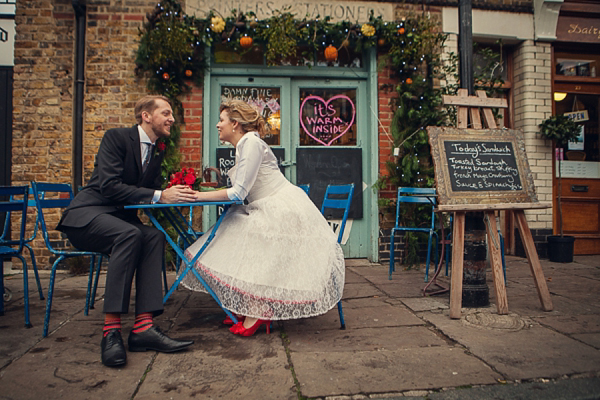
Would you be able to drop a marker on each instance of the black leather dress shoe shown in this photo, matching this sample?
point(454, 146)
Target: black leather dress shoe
point(113, 349)
point(154, 339)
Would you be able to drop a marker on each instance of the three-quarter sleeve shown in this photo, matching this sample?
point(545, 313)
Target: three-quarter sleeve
point(249, 155)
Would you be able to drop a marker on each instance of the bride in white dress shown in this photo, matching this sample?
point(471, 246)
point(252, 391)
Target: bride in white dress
point(275, 258)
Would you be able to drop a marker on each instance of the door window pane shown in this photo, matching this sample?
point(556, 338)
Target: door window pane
point(583, 108)
point(268, 102)
point(327, 117)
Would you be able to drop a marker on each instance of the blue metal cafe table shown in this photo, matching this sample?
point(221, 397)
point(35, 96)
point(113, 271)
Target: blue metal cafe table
point(184, 229)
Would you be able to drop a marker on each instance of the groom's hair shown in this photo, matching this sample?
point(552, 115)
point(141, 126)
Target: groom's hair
point(148, 104)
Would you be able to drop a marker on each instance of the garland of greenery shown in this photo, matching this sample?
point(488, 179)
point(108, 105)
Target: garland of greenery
point(172, 55)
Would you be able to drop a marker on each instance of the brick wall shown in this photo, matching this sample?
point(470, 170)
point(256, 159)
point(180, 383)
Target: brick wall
point(43, 87)
point(532, 85)
point(191, 133)
point(386, 149)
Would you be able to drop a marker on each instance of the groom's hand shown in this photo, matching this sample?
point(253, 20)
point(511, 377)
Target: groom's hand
point(178, 194)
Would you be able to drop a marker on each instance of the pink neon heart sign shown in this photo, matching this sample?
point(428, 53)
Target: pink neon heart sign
point(325, 120)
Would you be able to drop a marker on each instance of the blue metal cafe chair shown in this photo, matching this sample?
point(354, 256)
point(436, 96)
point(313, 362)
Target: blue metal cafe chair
point(408, 195)
point(31, 238)
point(13, 203)
point(53, 196)
point(305, 187)
point(338, 197)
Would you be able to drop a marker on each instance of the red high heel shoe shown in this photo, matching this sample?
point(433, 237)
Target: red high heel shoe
point(229, 321)
point(239, 328)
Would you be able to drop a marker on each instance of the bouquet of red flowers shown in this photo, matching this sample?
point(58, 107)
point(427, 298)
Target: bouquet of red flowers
point(187, 176)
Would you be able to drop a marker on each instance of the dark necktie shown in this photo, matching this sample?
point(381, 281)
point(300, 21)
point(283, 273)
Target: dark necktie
point(148, 156)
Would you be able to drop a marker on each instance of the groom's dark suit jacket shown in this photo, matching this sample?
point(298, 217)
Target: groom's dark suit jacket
point(117, 180)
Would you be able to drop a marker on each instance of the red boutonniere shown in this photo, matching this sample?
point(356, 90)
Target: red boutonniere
point(161, 146)
point(187, 176)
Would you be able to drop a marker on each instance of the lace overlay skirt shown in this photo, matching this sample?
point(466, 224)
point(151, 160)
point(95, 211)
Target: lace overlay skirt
point(274, 258)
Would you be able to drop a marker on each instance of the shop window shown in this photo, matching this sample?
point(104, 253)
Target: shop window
point(585, 65)
point(328, 117)
point(305, 55)
point(493, 65)
point(225, 55)
point(583, 108)
point(266, 99)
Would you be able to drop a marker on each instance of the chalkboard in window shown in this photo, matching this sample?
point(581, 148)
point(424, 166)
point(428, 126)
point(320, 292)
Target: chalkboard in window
point(226, 160)
point(320, 167)
point(481, 166)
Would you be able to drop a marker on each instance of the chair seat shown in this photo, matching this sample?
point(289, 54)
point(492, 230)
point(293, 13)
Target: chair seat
point(6, 250)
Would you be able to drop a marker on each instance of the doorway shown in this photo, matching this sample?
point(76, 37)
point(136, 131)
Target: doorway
point(319, 133)
point(577, 95)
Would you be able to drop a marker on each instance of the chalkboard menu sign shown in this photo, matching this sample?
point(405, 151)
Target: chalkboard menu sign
point(475, 166)
point(482, 166)
point(320, 167)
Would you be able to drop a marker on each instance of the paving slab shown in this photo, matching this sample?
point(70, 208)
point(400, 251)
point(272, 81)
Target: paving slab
point(530, 305)
point(353, 277)
point(222, 365)
point(425, 304)
point(523, 351)
point(593, 339)
point(67, 365)
point(571, 324)
point(366, 317)
point(403, 288)
point(363, 372)
point(367, 339)
point(356, 290)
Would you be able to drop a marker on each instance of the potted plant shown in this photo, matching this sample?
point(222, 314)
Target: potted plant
point(561, 129)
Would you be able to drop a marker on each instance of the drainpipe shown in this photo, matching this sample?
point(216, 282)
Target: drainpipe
point(475, 289)
point(77, 155)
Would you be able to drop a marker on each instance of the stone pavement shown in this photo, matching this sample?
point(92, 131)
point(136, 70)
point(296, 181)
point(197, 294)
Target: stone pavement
point(398, 344)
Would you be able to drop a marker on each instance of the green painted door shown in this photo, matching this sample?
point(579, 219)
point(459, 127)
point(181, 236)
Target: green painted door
point(306, 116)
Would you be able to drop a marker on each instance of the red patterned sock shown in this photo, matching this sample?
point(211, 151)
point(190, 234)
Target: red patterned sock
point(111, 321)
point(143, 322)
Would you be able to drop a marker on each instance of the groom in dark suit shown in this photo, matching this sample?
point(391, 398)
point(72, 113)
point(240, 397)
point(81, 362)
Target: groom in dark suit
point(127, 171)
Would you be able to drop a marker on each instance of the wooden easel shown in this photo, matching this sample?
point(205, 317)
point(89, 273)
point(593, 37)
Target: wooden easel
point(470, 105)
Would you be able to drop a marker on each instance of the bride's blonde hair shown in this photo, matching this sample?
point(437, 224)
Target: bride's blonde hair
point(247, 116)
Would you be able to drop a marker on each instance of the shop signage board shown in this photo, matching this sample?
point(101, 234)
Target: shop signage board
point(353, 11)
point(7, 42)
point(572, 29)
point(578, 116)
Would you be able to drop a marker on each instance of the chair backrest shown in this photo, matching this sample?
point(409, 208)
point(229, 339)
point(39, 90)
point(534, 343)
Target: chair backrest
point(14, 200)
point(305, 187)
point(50, 196)
point(415, 195)
point(338, 197)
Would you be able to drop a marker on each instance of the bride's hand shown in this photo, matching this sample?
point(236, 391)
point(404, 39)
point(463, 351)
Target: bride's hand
point(177, 194)
point(198, 195)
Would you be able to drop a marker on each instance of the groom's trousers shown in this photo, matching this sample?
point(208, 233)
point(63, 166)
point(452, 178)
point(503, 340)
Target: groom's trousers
point(134, 249)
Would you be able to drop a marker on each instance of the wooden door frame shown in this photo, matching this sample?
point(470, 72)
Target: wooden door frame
point(573, 85)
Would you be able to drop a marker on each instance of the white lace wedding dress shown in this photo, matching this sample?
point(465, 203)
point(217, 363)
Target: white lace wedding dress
point(276, 257)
